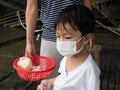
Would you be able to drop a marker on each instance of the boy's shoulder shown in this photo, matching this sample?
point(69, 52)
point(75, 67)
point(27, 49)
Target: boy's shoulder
point(91, 64)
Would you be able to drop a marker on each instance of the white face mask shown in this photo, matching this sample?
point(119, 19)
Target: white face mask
point(68, 48)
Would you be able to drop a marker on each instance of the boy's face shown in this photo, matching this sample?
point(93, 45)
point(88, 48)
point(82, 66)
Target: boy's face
point(68, 34)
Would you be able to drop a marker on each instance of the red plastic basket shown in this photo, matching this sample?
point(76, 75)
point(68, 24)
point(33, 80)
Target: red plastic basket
point(34, 76)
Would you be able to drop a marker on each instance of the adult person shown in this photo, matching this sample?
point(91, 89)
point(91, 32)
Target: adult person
point(49, 11)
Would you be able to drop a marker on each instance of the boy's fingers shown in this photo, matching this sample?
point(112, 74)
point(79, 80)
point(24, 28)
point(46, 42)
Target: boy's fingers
point(40, 87)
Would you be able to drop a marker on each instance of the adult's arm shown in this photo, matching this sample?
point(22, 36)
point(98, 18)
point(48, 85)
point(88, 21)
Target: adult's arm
point(31, 20)
point(88, 3)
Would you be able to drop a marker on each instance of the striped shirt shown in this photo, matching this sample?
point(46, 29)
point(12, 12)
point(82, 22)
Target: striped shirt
point(49, 11)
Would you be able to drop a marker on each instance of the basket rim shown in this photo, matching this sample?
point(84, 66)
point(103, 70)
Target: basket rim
point(30, 71)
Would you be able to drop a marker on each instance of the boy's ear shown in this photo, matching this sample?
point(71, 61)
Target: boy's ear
point(88, 37)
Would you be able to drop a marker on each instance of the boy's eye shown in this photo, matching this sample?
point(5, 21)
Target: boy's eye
point(68, 37)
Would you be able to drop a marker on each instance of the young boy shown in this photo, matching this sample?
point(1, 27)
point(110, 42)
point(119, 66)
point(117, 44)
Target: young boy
point(78, 71)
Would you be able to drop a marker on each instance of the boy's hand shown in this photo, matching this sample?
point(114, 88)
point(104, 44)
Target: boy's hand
point(44, 85)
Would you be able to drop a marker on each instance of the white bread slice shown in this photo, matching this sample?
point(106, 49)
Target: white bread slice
point(36, 68)
point(25, 63)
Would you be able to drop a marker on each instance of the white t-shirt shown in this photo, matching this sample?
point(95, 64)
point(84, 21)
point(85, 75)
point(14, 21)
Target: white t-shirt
point(84, 77)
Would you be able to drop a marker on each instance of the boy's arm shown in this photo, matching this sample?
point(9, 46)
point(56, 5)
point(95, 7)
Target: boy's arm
point(93, 78)
point(46, 84)
point(52, 81)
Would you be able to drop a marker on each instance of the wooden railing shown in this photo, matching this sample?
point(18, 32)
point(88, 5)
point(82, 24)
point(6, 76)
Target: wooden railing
point(110, 9)
point(11, 19)
point(14, 19)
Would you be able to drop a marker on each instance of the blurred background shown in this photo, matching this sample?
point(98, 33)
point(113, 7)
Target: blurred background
point(12, 42)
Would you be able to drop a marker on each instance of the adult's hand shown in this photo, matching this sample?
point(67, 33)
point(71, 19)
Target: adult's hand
point(30, 50)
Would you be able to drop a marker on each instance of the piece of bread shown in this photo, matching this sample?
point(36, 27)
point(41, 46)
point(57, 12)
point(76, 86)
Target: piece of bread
point(25, 63)
point(36, 68)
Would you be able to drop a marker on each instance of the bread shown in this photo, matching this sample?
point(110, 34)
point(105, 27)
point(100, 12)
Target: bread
point(36, 68)
point(25, 63)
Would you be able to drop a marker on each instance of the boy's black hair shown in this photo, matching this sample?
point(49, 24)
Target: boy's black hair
point(78, 16)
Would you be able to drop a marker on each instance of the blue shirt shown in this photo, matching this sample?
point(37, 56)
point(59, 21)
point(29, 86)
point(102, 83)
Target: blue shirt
point(49, 11)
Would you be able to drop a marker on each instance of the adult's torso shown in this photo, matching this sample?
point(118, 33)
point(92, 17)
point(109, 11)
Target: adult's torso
point(49, 11)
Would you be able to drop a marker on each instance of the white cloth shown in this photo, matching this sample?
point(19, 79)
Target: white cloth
point(84, 77)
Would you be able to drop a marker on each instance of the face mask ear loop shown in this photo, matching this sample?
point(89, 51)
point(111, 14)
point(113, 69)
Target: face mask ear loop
point(82, 46)
point(80, 49)
point(80, 39)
